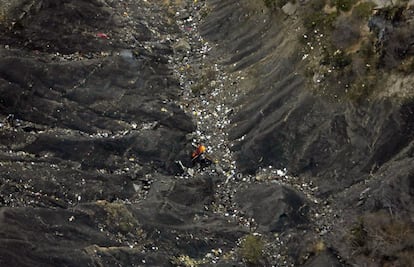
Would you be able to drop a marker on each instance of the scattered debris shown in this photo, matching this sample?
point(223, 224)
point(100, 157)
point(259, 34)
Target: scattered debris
point(102, 35)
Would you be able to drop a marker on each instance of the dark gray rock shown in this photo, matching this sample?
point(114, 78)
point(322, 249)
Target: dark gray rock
point(89, 121)
point(335, 142)
point(325, 259)
point(274, 208)
point(177, 214)
point(30, 236)
point(90, 133)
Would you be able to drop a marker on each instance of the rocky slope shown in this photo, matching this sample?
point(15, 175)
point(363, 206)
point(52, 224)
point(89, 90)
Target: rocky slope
point(307, 106)
point(102, 101)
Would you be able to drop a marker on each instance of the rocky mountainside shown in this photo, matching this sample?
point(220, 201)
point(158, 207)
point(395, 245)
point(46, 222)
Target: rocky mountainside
point(327, 93)
point(305, 107)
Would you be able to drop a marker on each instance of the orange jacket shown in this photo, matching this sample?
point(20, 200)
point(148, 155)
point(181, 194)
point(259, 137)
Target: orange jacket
point(200, 150)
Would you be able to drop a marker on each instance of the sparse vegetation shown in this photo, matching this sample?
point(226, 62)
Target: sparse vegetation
point(407, 65)
point(335, 37)
point(185, 261)
point(344, 5)
point(380, 236)
point(319, 20)
point(252, 249)
point(205, 11)
point(361, 89)
point(3, 15)
point(318, 247)
point(337, 59)
point(119, 217)
point(363, 10)
point(272, 4)
point(358, 234)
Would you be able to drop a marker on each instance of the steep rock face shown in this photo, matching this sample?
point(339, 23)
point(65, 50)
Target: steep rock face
point(181, 209)
point(275, 208)
point(355, 146)
point(32, 236)
point(92, 128)
point(89, 121)
point(282, 121)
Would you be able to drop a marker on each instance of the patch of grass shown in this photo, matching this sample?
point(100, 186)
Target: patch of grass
point(198, 88)
point(380, 236)
point(340, 59)
point(251, 249)
point(344, 5)
point(204, 12)
point(407, 65)
point(362, 88)
point(319, 247)
point(119, 217)
point(337, 59)
point(358, 234)
point(186, 261)
point(3, 16)
point(319, 20)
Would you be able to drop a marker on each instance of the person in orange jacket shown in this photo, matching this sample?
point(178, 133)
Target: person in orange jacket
point(199, 156)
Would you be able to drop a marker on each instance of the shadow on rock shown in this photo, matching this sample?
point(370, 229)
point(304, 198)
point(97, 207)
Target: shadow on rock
point(275, 208)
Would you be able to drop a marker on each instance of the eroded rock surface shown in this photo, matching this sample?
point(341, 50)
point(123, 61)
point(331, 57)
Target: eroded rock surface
point(274, 208)
point(91, 134)
point(329, 109)
point(101, 103)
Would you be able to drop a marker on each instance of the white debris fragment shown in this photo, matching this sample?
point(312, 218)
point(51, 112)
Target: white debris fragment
point(281, 172)
point(136, 187)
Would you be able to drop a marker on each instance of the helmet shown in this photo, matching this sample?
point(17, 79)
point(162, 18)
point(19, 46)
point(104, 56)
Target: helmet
point(202, 149)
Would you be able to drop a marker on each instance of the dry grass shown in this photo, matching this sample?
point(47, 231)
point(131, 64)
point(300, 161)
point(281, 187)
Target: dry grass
point(251, 249)
point(119, 217)
point(382, 237)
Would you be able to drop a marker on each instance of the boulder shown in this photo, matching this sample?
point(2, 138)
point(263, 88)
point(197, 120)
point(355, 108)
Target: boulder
point(274, 208)
point(290, 8)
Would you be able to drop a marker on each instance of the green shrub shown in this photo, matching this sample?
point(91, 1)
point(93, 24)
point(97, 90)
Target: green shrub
point(339, 59)
point(344, 5)
point(3, 17)
point(358, 234)
point(119, 217)
point(319, 20)
point(335, 58)
point(185, 261)
point(252, 249)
